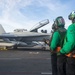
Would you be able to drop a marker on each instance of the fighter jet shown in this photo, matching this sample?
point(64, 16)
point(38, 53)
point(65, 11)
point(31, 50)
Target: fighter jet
point(25, 38)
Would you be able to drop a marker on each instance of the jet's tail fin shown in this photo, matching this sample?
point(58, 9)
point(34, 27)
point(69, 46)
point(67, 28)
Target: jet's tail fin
point(2, 29)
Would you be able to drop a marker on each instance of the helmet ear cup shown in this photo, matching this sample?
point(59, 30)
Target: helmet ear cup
point(54, 26)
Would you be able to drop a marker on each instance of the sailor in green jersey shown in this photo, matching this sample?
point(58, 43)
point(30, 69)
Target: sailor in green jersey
point(53, 55)
point(56, 42)
point(69, 46)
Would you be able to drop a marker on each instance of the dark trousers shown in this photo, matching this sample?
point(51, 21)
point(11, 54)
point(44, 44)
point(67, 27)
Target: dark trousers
point(54, 63)
point(70, 66)
point(61, 65)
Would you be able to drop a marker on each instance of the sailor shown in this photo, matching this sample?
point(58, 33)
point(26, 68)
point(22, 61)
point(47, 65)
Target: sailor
point(61, 58)
point(55, 45)
point(53, 54)
point(69, 46)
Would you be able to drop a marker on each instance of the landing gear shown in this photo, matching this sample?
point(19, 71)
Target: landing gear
point(43, 48)
point(15, 47)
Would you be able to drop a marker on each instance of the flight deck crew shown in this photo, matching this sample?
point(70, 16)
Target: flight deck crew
point(53, 55)
point(69, 46)
point(61, 58)
point(58, 35)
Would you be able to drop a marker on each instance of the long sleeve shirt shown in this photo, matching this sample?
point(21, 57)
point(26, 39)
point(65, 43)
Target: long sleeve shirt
point(70, 43)
point(55, 40)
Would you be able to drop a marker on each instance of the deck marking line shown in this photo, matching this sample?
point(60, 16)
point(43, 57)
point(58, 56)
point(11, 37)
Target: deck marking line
point(46, 73)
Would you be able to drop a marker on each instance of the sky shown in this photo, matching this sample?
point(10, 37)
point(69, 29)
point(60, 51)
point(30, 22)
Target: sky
point(24, 14)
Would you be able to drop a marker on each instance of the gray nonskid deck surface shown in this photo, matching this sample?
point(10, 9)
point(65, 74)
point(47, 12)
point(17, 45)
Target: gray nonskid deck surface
point(25, 62)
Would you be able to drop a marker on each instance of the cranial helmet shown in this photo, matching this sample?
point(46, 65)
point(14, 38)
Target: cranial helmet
point(59, 21)
point(72, 15)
